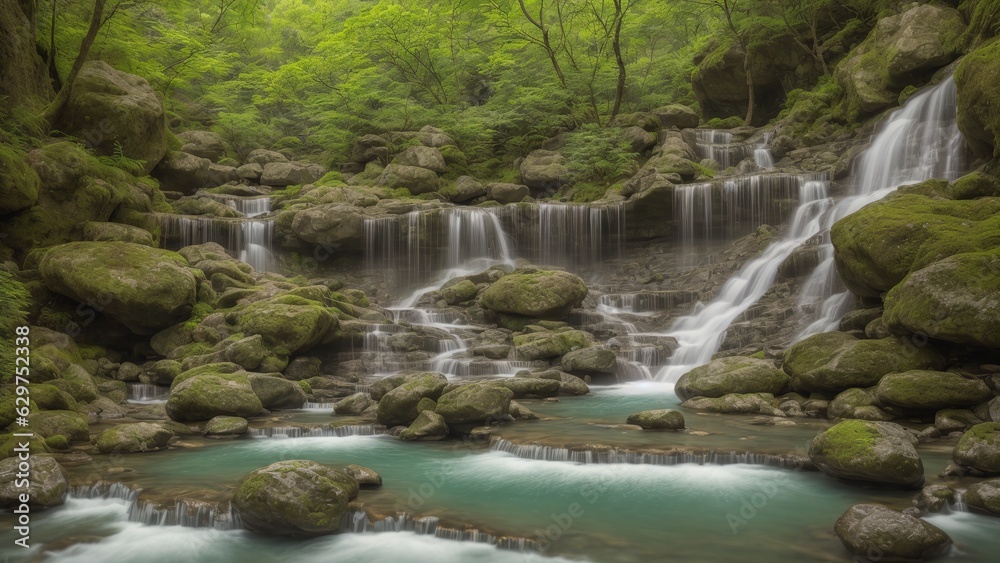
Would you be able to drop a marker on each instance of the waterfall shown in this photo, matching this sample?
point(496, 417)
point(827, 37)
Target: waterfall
point(762, 153)
point(917, 142)
point(579, 236)
point(246, 206)
point(718, 145)
point(286, 432)
point(146, 393)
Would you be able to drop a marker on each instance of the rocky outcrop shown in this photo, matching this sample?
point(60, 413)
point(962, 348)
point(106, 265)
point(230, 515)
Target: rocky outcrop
point(923, 390)
point(902, 50)
point(867, 529)
point(294, 498)
point(731, 375)
point(183, 172)
point(204, 144)
point(976, 78)
point(872, 452)
point(113, 111)
point(146, 289)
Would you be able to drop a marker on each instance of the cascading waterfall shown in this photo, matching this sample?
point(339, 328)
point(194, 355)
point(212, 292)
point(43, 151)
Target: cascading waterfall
point(917, 142)
point(249, 240)
point(146, 393)
point(246, 206)
point(718, 145)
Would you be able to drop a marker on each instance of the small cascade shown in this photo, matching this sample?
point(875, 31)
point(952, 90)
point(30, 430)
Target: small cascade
point(147, 394)
point(917, 142)
point(106, 490)
point(287, 432)
point(718, 145)
point(614, 455)
point(310, 405)
point(578, 237)
point(247, 206)
point(762, 156)
point(249, 240)
point(644, 303)
point(189, 513)
point(358, 522)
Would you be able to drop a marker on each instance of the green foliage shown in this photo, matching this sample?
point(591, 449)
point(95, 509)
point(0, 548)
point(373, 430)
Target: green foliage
point(597, 154)
point(14, 302)
point(727, 123)
point(331, 178)
point(119, 160)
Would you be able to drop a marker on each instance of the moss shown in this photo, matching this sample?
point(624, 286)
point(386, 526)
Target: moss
point(727, 123)
point(976, 78)
point(50, 397)
point(851, 439)
point(332, 178)
point(57, 442)
point(19, 183)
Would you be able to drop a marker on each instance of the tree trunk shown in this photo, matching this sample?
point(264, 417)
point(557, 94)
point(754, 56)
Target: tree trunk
point(750, 94)
point(52, 110)
point(617, 46)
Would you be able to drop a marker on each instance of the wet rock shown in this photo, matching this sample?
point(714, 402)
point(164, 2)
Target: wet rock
point(48, 485)
point(353, 405)
point(277, 392)
point(399, 406)
point(527, 388)
point(134, 438)
point(521, 412)
point(731, 375)
point(662, 419)
point(984, 496)
point(365, 476)
point(924, 390)
point(294, 498)
point(867, 529)
point(473, 404)
point(976, 78)
point(459, 293)
point(594, 359)
point(225, 427)
point(735, 403)
point(428, 426)
point(934, 498)
point(507, 193)
point(873, 452)
point(544, 345)
point(950, 420)
point(835, 361)
point(979, 448)
point(568, 384)
point(204, 397)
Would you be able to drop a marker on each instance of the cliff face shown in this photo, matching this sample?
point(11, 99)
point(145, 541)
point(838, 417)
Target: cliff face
point(23, 78)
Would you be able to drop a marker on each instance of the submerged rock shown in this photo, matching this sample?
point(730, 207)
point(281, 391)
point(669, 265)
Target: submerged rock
point(731, 375)
point(294, 498)
point(874, 452)
point(663, 419)
point(979, 448)
point(48, 485)
point(366, 477)
point(134, 438)
point(876, 532)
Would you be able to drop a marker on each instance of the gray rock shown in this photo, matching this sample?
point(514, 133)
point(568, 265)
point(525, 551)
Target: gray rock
point(429, 158)
point(662, 419)
point(204, 144)
point(290, 173)
point(48, 486)
point(182, 172)
point(507, 193)
point(873, 452)
point(979, 448)
point(873, 529)
point(251, 171)
point(264, 157)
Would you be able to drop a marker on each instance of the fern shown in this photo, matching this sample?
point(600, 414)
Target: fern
point(119, 160)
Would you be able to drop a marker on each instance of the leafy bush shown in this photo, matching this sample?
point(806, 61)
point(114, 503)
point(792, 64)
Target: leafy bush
point(600, 155)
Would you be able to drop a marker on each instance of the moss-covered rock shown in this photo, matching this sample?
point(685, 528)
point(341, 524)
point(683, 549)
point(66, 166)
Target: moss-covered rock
point(50, 397)
point(134, 438)
point(858, 404)
point(924, 390)
point(735, 403)
point(225, 427)
point(984, 496)
point(147, 289)
point(19, 183)
point(978, 100)
point(536, 294)
point(203, 397)
point(867, 529)
point(76, 382)
point(47, 486)
point(70, 424)
point(294, 498)
point(543, 169)
point(662, 419)
point(474, 404)
point(731, 375)
point(117, 232)
point(399, 406)
point(835, 361)
point(114, 111)
point(879, 245)
point(950, 420)
point(900, 48)
point(544, 345)
point(365, 476)
point(461, 292)
point(979, 448)
point(590, 360)
point(677, 115)
point(428, 426)
point(872, 452)
point(415, 179)
point(353, 405)
point(956, 299)
point(276, 392)
point(293, 323)
point(527, 388)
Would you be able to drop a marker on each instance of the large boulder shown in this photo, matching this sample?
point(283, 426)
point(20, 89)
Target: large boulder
point(507, 193)
point(353, 404)
point(399, 406)
point(113, 111)
point(277, 392)
point(736, 403)
point(857, 403)
point(19, 183)
point(290, 173)
point(925, 390)
point(677, 115)
point(147, 289)
point(875, 532)
point(731, 375)
point(264, 157)
point(293, 323)
point(117, 232)
point(182, 172)
point(546, 345)
point(662, 419)
point(872, 452)
point(590, 360)
point(978, 99)
point(535, 294)
point(48, 485)
point(984, 496)
point(466, 188)
point(294, 498)
point(979, 448)
point(368, 148)
point(835, 361)
point(204, 397)
point(956, 299)
point(428, 426)
point(337, 226)
point(902, 49)
point(474, 404)
point(543, 169)
point(134, 438)
point(72, 425)
point(422, 157)
point(417, 180)
point(879, 245)
point(206, 144)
